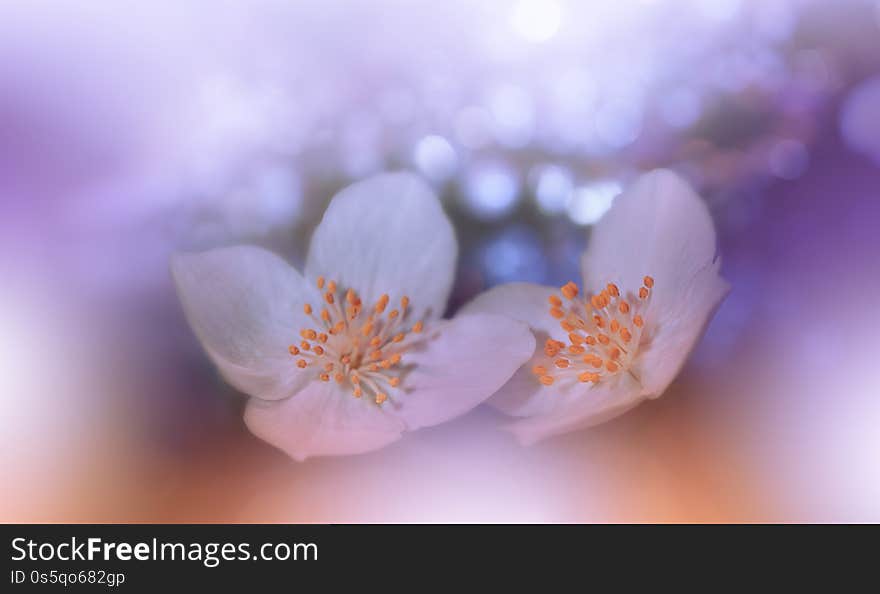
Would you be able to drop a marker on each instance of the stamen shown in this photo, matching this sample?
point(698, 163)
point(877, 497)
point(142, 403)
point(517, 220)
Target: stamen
point(600, 335)
point(570, 291)
point(361, 349)
point(381, 304)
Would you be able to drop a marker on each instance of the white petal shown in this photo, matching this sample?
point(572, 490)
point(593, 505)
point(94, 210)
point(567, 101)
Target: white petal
point(528, 303)
point(462, 363)
point(525, 302)
point(577, 408)
point(245, 305)
point(658, 227)
point(678, 327)
point(387, 234)
point(322, 420)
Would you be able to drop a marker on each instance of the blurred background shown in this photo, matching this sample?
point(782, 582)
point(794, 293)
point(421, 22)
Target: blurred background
point(130, 131)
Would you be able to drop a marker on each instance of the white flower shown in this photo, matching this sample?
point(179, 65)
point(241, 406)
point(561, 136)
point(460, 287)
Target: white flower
point(347, 356)
point(651, 285)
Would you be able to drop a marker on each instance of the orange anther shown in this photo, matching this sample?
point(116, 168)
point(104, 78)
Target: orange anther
point(399, 337)
point(566, 325)
point(576, 350)
point(418, 327)
point(381, 304)
point(539, 370)
point(556, 312)
point(355, 379)
point(404, 302)
point(375, 341)
point(328, 367)
point(293, 349)
point(357, 392)
point(307, 309)
point(305, 346)
point(381, 397)
point(546, 380)
point(331, 287)
point(603, 339)
point(350, 297)
point(596, 302)
point(638, 321)
point(319, 350)
point(576, 338)
point(394, 382)
point(594, 361)
point(320, 282)
point(308, 334)
point(375, 355)
point(555, 301)
point(328, 297)
point(322, 337)
point(570, 290)
point(615, 326)
point(615, 353)
point(625, 335)
point(325, 377)
point(325, 315)
point(301, 363)
point(393, 314)
point(599, 321)
point(561, 363)
point(611, 366)
point(339, 378)
point(623, 307)
point(643, 293)
point(395, 358)
point(590, 340)
point(649, 282)
point(613, 290)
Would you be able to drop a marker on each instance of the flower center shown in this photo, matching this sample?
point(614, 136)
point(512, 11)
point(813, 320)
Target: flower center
point(360, 349)
point(604, 333)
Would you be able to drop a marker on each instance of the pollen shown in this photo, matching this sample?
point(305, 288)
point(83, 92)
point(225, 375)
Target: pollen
point(359, 346)
point(605, 331)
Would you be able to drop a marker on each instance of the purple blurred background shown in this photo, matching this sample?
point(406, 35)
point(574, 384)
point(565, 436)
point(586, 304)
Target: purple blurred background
point(127, 133)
